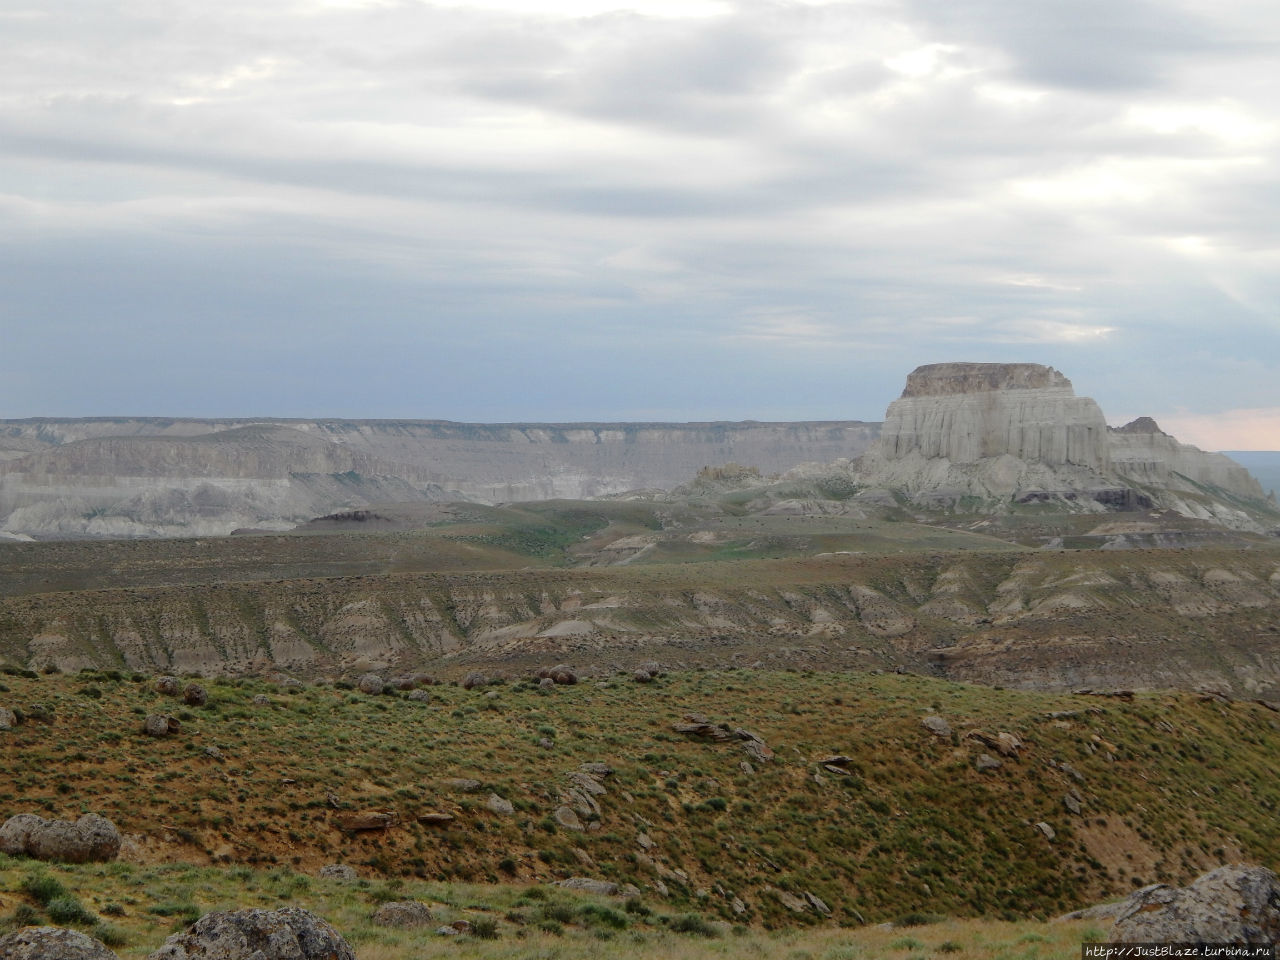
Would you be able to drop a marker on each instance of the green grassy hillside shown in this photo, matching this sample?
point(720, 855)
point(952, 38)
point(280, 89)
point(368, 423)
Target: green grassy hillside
point(1157, 789)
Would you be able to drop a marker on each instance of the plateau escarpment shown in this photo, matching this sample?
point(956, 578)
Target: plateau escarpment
point(990, 435)
point(154, 477)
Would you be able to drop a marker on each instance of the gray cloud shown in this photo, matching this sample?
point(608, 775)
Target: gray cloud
point(404, 209)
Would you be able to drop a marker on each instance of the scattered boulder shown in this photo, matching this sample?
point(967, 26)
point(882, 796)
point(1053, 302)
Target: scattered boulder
point(366, 820)
point(596, 769)
point(290, 683)
point(1045, 829)
point(52, 943)
point(461, 926)
point(789, 900)
point(546, 683)
point(261, 700)
point(642, 676)
point(402, 914)
point(562, 674)
point(90, 839)
point(696, 725)
point(474, 679)
point(1005, 744)
point(436, 818)
point(567, 818)
point(371, 683)
point(588, 885)
point(16, 832)
point(545, 743)
point(652, 667)
point(937, 725)
point(403, 683)
point(339, 872)
point(1072, 803)
point(213, 753)
point(500, 805)
point(8, 719)
point(1232, 904)
point(194, 695)
point(168, 686)
point(420, 696)
point(987, 762)
point(817, 903)
point(289, 933)
point(161, 725)
point(462, 784)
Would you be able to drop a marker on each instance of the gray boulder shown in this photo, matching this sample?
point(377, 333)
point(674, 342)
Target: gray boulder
point(160, 725)
point(937, 725)
point(1232, 904)
point(500, 805)
point(289, 933)
point(52, 943)
point(561, 673)
point(474, 679)
point(339, 872)
point(194, 695)
point(420, 696)
point(8, 719)
point(167, 685)
point(371, 683)
point(402, 914)
point(16, 833)
point(90, 839)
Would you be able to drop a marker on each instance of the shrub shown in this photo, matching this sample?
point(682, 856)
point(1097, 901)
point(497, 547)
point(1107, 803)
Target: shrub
point(110, 935)
point(918, 918)
point(596, 915)
point(692, 923)
point(43, 888)
point(64, 910)
point(25, 915)
point(486, 928)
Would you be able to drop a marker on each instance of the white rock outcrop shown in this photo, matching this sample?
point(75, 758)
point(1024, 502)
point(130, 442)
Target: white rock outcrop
point(968, 412)
point(1145, 454)
point(970, 435)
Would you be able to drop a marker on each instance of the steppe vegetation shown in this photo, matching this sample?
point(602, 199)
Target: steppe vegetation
point(861, 807)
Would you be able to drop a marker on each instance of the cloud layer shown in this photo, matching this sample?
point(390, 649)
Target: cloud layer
point(579, 210)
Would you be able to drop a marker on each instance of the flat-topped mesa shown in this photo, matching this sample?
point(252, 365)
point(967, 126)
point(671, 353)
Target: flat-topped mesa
point(971, 412)
point(950, 379)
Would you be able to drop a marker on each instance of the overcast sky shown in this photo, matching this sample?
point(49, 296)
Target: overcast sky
point(595, 210)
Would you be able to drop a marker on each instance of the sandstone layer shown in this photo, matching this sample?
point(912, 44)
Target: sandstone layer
point(158, 477)
point(1050, 620)
point(983, 435)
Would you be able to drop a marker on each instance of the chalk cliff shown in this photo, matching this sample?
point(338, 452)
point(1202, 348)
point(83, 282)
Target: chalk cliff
point(175, 477)
point(1143, 453)
point(1016, 432)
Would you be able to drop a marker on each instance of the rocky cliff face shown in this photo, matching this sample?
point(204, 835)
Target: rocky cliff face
point(967, 412)
point(1008, 433)
point(1143, 453)
point(154, 477)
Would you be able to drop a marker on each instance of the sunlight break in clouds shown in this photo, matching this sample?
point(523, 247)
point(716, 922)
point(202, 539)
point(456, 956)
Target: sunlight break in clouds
point(1254, 429)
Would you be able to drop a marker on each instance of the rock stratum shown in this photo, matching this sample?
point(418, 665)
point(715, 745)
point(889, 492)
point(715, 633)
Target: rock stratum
point(978, 436)
point(1058, 620)
point(150, 477)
